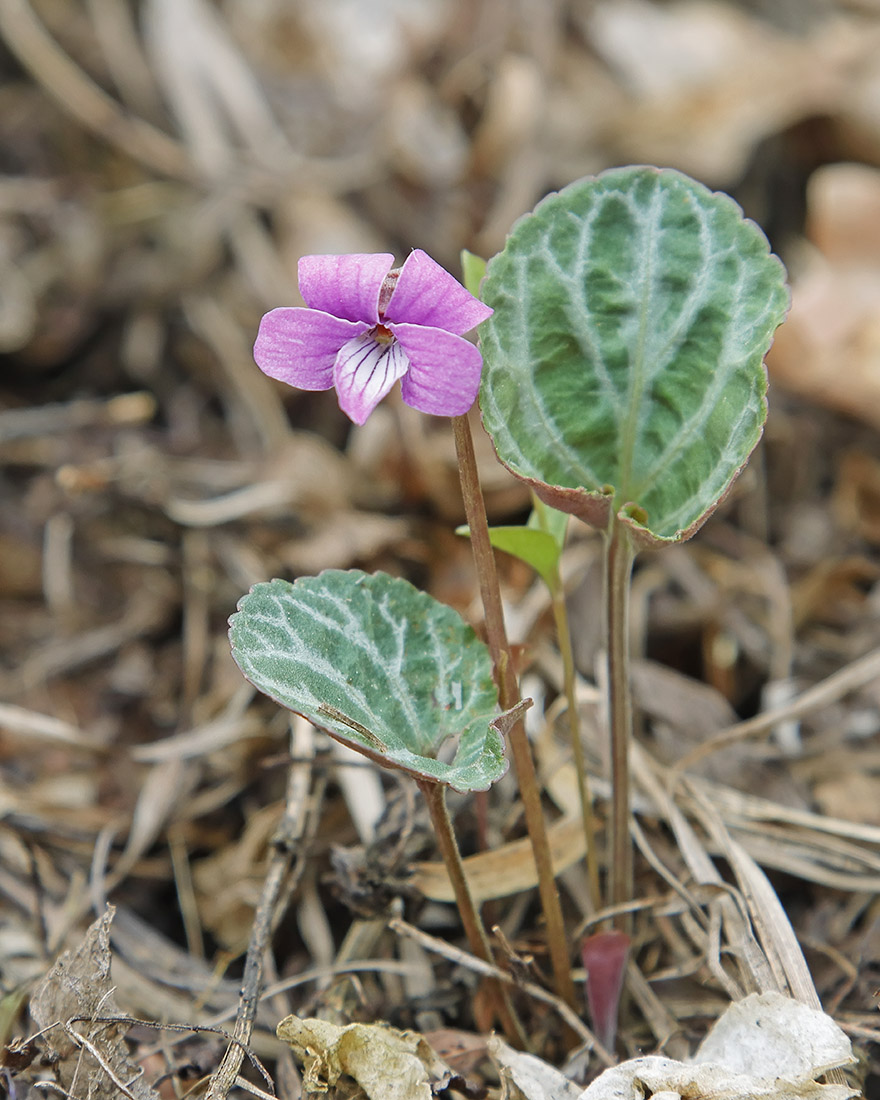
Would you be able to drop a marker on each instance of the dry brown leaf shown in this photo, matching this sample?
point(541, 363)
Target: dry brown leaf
point(461, 1050)
point(306, 473)
point(525, 1077)
point(78, 987)
point(208, 84)
point(764, 1046)
point(388, 1064)
point(507, 870)
point(165, 788)
point(228, 880)
point(829, 349)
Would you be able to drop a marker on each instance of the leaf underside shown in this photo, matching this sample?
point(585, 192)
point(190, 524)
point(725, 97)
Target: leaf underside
point(624, 360)
point(381, 667)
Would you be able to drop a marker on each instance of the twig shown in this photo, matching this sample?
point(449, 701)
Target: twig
point(83, 1043)
point(289, 832)
point(241, 1083)
point(829, 690)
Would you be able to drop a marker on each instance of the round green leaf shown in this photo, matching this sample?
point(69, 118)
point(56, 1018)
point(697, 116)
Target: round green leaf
point(381, 667)
point(624, 360)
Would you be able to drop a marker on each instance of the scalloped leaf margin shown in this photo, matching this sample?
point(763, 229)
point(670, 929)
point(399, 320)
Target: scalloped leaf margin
point(623, 365)
point(382, 667)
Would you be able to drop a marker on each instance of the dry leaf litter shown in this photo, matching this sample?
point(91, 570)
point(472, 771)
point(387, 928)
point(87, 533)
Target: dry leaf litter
point(164, 164)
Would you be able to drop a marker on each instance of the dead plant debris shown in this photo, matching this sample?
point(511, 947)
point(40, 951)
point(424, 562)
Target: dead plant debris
point(164, 164)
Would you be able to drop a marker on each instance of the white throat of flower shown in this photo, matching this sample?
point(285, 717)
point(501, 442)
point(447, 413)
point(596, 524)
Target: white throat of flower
point(366, 369)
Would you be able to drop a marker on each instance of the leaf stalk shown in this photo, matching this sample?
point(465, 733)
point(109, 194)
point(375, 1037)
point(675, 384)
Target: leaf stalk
point(569, 679)
point(435, 796)
point(619, 555)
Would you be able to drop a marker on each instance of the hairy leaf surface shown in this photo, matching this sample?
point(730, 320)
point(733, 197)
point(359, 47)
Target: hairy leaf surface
point(624, 360)
point(381, 667)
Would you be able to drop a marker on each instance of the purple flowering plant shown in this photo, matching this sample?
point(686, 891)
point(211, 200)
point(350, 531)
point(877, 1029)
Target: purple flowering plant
point(624, 329)
point(366, 325)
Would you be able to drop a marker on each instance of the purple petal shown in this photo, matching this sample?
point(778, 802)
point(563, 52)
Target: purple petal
point(365, 371)
point(299, 346)
point(427, 295)
point(444, 371)
point(346, 286)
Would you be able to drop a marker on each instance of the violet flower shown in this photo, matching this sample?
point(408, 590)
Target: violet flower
point(366, 326)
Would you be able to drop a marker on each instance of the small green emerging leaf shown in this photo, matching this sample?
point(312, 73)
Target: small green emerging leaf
point(473, 268)
point(623, 365)
point(536, 548)
point(539, 544)
point(382, 667)
point(551, 520)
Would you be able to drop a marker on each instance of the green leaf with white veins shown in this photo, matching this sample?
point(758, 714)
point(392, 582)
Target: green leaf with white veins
point(623, 365)
point(380, 666)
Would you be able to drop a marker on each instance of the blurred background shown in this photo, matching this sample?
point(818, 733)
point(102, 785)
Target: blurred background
point(163, 165)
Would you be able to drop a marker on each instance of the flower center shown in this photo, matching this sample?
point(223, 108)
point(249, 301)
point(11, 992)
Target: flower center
point(366, 368)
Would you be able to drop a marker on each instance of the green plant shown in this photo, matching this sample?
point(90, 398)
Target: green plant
point(624, 381)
